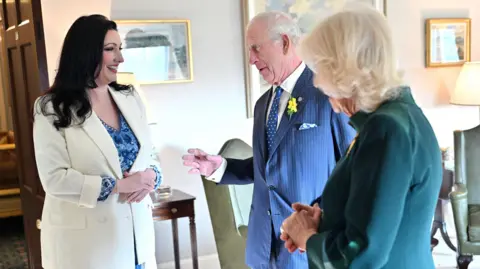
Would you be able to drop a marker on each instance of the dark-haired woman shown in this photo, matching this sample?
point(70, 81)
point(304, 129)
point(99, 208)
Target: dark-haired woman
point(94, 158)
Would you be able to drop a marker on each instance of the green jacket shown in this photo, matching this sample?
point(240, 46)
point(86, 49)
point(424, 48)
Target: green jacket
point(379, 202)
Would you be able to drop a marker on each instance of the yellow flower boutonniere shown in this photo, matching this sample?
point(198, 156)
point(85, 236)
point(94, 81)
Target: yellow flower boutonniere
point(292, 106)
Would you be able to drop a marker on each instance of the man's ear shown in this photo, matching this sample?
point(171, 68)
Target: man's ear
point(285, 44)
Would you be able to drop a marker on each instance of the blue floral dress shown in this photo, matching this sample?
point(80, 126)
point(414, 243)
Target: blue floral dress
point(127, 146)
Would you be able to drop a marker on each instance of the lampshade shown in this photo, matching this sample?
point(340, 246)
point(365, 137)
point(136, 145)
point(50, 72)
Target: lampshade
point(467, 89)
point(129, 79)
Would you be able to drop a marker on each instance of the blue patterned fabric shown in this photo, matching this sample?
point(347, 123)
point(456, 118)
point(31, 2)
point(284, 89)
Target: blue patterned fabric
point(158, 180)
point(108, 183)
point(127, 146)
point(273, 118)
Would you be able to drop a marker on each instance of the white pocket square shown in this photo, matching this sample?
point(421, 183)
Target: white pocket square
point(306, 126)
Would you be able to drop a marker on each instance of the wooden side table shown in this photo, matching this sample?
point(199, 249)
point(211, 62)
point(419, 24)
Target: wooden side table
point(177, 205)
point(439, 218)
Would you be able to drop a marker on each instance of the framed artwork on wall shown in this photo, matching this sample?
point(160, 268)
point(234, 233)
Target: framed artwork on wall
point(157, 51)
point(306, 12)
point(447, 42)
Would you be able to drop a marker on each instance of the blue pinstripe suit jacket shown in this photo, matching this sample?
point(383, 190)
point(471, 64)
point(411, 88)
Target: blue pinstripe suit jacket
point(296, 169)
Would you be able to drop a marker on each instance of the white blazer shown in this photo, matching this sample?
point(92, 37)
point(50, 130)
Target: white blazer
point(77, 231)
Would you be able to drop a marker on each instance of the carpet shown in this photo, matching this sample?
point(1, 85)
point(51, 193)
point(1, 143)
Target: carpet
point(13, 253)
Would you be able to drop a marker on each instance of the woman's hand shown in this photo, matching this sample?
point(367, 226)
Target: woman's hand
point(300, 226)
point(135, 182)
point(289, 245)
point(138, 196)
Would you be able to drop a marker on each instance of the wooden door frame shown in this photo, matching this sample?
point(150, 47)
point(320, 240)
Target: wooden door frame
point(31, 25)
point(4, 103)
point(39, 42)
point(4, 94)
point(40, 45)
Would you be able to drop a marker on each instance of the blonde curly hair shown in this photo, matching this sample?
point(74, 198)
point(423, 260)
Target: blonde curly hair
point(353, 49)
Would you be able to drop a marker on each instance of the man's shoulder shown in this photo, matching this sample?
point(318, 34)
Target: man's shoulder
point(306, 80)
point(263, 98)
point(311, 92)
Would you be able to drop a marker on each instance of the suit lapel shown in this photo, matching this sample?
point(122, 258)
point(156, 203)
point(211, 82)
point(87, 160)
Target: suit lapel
point(261, 122)
point(100, 136)
point(286, 122)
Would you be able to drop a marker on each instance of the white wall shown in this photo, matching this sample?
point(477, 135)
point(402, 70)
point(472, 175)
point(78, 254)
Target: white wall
point(432, 86)
point(58, 16)
point(202, 114)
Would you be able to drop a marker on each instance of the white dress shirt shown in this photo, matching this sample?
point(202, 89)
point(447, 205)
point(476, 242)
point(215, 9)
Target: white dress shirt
point(287, 86)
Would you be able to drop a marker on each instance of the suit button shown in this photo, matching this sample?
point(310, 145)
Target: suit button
point(271, 187)
point(269, 212)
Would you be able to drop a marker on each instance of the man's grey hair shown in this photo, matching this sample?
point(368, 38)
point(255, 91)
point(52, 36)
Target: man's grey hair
point(279, 23)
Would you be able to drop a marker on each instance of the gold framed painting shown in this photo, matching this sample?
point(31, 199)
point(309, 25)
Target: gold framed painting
point(157, 51)
point(306, 13)
point(447, 42)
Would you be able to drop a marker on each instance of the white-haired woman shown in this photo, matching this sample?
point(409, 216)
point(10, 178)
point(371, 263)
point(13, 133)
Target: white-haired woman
point(377, 207)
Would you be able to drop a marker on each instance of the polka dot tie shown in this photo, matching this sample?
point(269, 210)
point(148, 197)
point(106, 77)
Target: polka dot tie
point(273, 118)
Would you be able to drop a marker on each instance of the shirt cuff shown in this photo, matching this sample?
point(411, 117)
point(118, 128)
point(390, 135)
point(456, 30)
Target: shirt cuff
point(217, 175)
point(159, 178)
point(108, 183)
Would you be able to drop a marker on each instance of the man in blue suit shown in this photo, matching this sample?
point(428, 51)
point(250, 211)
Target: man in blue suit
point(297, 140)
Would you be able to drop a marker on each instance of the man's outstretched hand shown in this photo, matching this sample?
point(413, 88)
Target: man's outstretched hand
point(201, 162)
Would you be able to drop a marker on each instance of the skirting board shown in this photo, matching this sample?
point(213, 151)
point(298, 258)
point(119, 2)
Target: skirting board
point(204, 262)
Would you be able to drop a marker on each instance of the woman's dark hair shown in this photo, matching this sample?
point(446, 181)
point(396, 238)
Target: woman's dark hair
point(80, 59)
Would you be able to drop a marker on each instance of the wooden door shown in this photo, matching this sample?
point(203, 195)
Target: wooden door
point(25, 69)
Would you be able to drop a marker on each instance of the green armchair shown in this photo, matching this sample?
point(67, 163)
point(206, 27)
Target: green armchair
point(229, 207)
point(465, 197)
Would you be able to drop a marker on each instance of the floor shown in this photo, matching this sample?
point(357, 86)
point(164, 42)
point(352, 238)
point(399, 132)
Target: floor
point(12, 244)
point(13, 256)
point(445, 258)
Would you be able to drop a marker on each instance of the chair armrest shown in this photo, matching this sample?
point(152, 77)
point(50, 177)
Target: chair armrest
point(243, 231)
point(459, 199)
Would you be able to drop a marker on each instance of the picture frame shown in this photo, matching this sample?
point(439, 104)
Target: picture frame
point(157, 51)
point(447, 42)
point(255, 86)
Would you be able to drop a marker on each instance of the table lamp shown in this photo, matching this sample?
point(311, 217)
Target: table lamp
point(467, 88)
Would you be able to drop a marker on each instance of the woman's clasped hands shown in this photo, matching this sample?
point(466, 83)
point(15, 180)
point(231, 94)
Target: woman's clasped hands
point(300, 226)
point(136, 185)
